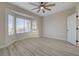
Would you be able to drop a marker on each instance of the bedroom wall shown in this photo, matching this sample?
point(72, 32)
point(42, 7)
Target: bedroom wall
point(54, 25)
point(2, 25)
point(77, 11)
point(3, 8)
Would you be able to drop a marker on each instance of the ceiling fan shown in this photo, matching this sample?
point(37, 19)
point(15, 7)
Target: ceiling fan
point(42, 7)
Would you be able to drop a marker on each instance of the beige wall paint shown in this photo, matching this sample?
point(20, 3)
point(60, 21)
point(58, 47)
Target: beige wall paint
point(2, 25)
point(3, 8)
point(54, 25)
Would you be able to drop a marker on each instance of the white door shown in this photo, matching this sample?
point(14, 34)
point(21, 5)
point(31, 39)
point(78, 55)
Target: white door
point(71, 29)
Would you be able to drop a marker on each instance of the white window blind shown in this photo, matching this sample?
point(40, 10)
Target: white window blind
point(34, 26)
point(20, 25)
point(27, 25)
point(10, 24)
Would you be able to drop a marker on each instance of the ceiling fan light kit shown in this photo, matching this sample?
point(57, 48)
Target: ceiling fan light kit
point(42, 7)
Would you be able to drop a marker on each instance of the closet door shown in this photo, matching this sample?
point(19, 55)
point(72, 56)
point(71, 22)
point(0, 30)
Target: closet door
point(71, 29)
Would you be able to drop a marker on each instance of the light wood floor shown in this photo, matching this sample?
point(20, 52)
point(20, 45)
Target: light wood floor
point(40, 47)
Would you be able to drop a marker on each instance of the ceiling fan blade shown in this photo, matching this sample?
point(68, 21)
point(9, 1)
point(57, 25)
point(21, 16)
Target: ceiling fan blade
point(43, 10)
point(35, 8)
point(33, 4)
point(45, 3)
point(50, 5)
point(48, 9)
point(38, 11)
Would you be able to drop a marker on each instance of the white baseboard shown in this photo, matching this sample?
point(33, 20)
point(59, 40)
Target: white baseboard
point(54, 36)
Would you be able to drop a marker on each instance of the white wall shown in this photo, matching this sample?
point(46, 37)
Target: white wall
point(54, 26)
point(77, 11)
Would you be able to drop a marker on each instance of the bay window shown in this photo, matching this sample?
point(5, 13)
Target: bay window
point(20, 24)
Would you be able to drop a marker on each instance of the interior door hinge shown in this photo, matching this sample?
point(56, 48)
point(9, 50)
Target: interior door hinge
point(76, 40)
point(76, 43)
point(77, 28)
point(76, 16)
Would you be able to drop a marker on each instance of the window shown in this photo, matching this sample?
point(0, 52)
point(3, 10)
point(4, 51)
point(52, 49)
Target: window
point(20, 25)
point(27, 25)
point(34, 26)
point(10, 24)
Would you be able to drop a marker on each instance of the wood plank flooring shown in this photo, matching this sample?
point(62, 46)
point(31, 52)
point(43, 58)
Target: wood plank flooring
point(40, 47)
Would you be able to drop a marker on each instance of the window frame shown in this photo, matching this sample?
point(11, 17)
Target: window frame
point(12, 24)
point(21, 17)
point(6, 24)
point(32, 25)
point(29, 29)
point(15, 14)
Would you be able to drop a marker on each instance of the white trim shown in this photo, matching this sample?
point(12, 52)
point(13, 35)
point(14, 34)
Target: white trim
point(54, 36)
point(21, 14)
